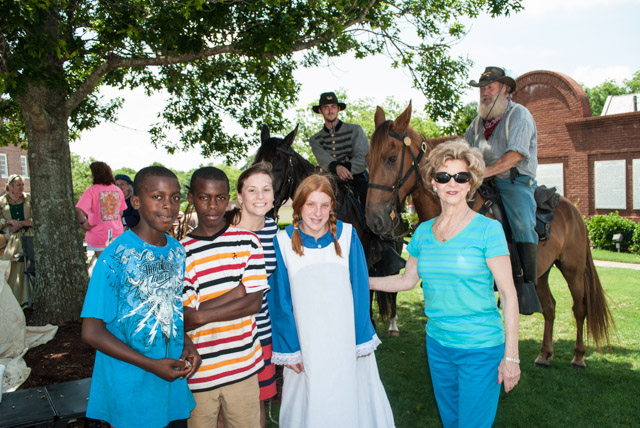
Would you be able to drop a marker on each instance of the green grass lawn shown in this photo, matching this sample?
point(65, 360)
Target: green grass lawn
point(605, 394)
point(612, 256)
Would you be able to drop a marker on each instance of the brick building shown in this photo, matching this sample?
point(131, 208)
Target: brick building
point(593, 160)
point(13, 160)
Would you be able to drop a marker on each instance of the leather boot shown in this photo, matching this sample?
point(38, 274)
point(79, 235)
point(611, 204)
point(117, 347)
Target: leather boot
point(390, 261)
point(527, 297)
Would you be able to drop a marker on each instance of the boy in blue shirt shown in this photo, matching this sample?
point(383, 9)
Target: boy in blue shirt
point(133, 316)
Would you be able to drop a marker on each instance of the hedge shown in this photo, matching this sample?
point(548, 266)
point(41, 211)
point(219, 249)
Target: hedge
point(601, 229)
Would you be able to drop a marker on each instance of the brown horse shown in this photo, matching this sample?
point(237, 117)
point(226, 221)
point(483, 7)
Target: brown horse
point(397, 154)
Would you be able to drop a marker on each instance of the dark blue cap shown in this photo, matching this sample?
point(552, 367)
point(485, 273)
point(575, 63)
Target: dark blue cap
point(125, 178)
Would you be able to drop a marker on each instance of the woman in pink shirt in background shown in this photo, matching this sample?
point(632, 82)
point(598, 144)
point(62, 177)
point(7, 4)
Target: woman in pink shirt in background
point(99, 210)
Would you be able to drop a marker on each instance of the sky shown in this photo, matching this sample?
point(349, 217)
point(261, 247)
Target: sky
point(588, 40)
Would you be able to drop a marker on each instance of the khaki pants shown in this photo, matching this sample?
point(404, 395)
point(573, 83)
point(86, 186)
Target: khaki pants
point(240, 403)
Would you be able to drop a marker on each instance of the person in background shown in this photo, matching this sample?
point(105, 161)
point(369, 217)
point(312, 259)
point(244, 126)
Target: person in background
point(16, 222)
point(133, 316)
point(99, 211)
point(130, 216)
point(340, 148)
point(322, 332)
point(255, 195)
point(458, 255)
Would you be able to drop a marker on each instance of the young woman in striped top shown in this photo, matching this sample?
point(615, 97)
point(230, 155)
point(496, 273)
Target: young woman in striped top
point(255, 195)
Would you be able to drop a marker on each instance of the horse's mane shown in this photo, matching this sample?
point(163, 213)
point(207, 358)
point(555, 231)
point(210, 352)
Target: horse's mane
point(267, 150)
point(379, 138)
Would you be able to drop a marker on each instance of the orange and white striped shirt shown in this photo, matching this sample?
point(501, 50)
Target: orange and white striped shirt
point(230, 350)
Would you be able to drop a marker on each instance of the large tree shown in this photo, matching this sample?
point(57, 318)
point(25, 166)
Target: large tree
point(214, 58)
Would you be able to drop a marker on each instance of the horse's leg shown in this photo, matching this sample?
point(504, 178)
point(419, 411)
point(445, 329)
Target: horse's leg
point(575, 280)
point(579, 311)
point(393, 321)
point(373, 321)
point(549, 312)
point(576, 286)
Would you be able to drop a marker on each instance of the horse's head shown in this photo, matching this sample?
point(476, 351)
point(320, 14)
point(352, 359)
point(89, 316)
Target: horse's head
point(289, 168)
point(395, 153)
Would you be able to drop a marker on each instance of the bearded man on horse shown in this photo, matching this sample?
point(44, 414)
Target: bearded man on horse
point(506, 134)
point(340, 147)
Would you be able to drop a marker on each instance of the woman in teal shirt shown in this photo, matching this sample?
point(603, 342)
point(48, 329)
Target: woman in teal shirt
point(458, 255)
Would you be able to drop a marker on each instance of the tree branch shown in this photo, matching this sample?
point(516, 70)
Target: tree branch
point(5, 53)
point(114, 61)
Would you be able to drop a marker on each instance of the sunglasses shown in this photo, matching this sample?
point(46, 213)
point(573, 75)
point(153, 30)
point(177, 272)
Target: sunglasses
point(445, 177)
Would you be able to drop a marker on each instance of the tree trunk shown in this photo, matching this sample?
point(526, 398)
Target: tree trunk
point(61, 273)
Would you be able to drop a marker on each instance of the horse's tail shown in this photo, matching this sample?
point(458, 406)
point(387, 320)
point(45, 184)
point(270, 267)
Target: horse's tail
point(386, 305)
point(599, 319)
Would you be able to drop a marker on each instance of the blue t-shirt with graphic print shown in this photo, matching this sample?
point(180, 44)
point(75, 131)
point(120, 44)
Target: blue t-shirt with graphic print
point(136, 289)
point(457, 284)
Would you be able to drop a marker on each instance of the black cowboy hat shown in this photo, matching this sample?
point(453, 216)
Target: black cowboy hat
point(494, 74)
point(328, 98)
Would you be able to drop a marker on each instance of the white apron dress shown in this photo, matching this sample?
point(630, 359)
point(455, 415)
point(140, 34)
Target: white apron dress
point(337, 388)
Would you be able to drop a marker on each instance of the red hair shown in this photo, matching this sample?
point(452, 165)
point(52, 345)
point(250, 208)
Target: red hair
point(313, 183)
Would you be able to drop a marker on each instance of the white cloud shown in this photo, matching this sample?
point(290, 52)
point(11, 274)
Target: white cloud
point(542, 7)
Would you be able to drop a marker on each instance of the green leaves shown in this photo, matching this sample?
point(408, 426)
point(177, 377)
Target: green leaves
point(222, 61)
point(599, 93)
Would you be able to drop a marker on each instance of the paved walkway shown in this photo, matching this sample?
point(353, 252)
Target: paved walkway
point(617, 264)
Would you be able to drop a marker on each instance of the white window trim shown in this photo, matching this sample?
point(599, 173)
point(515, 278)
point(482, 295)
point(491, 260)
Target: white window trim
point(4, 172)
point(24, 166)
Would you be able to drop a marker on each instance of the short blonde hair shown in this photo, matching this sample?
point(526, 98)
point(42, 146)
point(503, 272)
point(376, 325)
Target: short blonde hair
point(457, 149)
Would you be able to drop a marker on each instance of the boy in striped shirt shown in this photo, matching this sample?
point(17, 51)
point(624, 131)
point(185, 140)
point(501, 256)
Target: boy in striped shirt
point(224, 282)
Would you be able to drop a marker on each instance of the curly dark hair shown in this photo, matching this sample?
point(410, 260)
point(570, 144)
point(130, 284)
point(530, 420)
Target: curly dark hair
point(102, 173)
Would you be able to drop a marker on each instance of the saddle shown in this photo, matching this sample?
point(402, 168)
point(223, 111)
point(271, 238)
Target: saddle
point(546, 203)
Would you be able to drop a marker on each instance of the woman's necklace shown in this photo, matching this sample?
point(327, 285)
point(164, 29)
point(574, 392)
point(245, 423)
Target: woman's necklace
point(453, 231)
point(12, 200)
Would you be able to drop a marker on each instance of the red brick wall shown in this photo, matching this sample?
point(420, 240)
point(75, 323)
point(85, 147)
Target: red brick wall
point(568, 134)
point(13, 163)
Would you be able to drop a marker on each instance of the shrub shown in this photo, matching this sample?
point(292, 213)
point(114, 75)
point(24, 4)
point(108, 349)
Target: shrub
point(635, 241)
point(601, 229)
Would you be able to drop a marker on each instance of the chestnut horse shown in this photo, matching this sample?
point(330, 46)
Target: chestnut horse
point(289, 168)
point(396, 156)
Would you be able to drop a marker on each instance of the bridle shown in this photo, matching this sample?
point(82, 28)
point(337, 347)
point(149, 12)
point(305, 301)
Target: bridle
point(289, 184)
point(414, 169)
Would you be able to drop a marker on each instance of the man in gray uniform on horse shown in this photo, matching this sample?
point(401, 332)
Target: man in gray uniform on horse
point(506, 134)
point(340, 147)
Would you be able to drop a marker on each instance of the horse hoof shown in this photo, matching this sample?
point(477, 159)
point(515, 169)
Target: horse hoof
point(542, 362)
point(393, 333)
point(578, 366)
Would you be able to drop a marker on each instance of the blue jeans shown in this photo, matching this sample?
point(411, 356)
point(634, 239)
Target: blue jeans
point(520, 206)
point(465, 383)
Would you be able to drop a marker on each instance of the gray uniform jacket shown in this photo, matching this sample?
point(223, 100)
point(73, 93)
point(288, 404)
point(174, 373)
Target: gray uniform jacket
point(345, 145)
point(515, 132)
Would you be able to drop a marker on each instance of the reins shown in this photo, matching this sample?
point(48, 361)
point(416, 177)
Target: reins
point(289, 184)
point(414, 169)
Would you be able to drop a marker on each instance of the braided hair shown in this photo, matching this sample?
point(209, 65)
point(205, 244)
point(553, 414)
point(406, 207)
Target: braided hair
point(320, 183)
